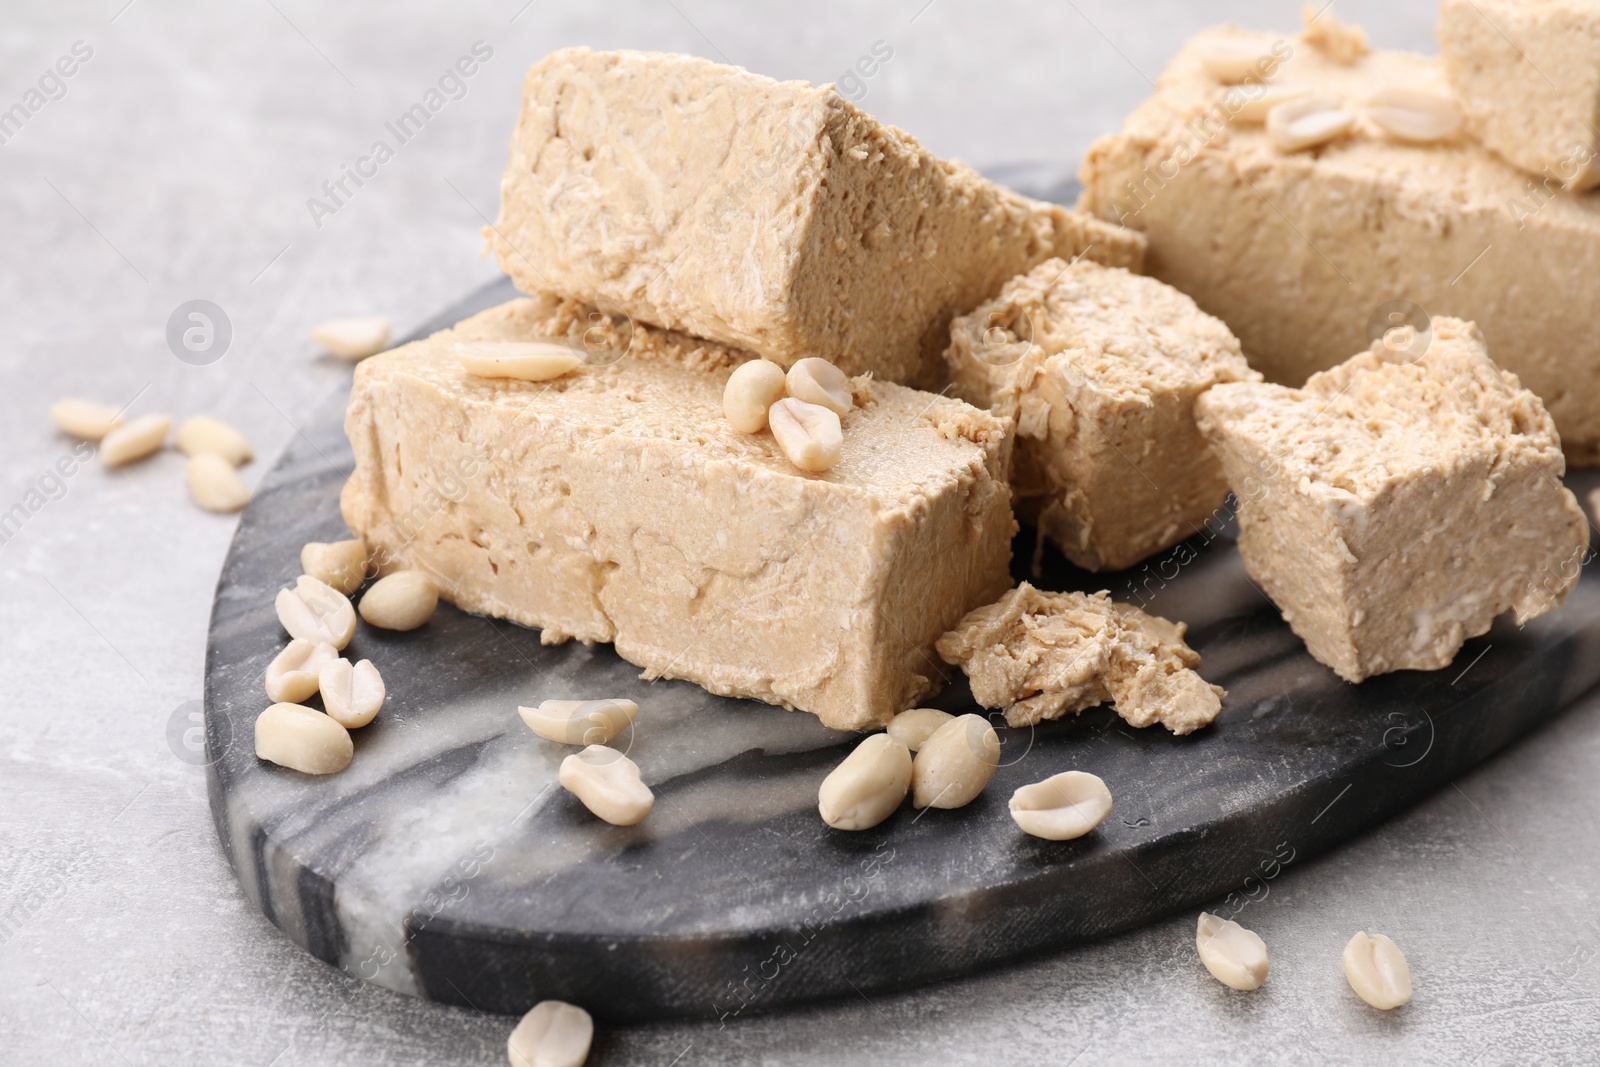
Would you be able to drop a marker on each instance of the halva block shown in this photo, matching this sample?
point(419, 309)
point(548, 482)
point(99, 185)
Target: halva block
point(774, 216)
point(1100, 369)
point(617, 503)
point(1527, 73)
point(1397, 504)
point(1311, 255)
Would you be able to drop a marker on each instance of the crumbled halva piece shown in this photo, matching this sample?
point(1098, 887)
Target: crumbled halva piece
point(1043, 655)
point(618, 503)
point(1339, 41)
point(1310, 256)
point(1527, 74)
point(1394, 506)
point(1100, 369)
point(775, 216)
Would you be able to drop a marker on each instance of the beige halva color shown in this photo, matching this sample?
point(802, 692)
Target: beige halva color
point(1394, 506)
point(1042, 655)
point(774, 216)
point(618, 504)
point(1527, 74)
point(1100, 369)
point(1304, 254)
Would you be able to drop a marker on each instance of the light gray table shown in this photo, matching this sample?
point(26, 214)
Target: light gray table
point(178, 164)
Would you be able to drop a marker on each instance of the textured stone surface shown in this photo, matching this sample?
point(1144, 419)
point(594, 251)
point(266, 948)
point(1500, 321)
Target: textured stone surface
point(191, 141)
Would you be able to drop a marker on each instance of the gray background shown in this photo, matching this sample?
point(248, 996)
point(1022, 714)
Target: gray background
point(178, 165)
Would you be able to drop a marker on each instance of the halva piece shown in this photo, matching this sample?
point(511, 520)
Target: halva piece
point(774, 216)
point(1043, 655)
point(1311, 255)
point(1100, 368)
point(1395, 505)
point(617, 503)
point(1527, 74)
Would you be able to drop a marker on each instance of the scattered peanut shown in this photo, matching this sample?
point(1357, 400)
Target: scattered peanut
point(340, 564)
point(316, 611)
point(580, 722)
point(752, 389)
point(1308, 121)
point(1062, 807)
point(1254, 106)
point(302, 739)
point(1415, 113)
point(1377, 971)
point(292, 675)
point(809, 434)
point(1236, 957)
point(85, 418)
point(214, 484)
point(403, 600)
point(553, 1034)
point(955, 763)
point(867, 786)
point(134, 440)
point(353, 338)
point(912, 728)
point(1231, 60)
point(202, 433)
point(352, 693)
point(528, 361)
point(816, 381)
point(608, 783)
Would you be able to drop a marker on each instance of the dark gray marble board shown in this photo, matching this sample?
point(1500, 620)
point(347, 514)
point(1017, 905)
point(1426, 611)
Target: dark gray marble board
point(445, 862)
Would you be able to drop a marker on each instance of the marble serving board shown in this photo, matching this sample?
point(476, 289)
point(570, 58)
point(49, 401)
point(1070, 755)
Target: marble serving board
point(447, 863)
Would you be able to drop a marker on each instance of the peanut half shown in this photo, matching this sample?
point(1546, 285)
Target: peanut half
point(214, 484)
point(816, 381)
point(1236, 957)
point(302, 739)
point(85, 418)
point(809, 434)
point(528, 361)
point(134, 440)
point(1231, 60)
point(752, 389)
point(608, 783)
point(553, 1034)
point(352, 693)
point(292, 675)
point(353, 338)
point(580, 722)
point(1416, 113)
point(867, 786)
point(955, 763)
point(1254, 105)
point(1377, 971)
point(1061, 807)
point(1308, 121)
point(403, 600)
point(341, 564)
point(202, 433)
point(316, 611)
point(912, 728)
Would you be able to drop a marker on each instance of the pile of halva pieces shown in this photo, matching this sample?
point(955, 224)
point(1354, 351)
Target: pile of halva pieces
point(783, 381)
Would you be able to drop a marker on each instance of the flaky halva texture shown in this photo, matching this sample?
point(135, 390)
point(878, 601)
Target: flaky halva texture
point(1042, 655)
point(1397, 504)
point(1100, 369)
point(773, 216)
point(617, 503)
point(1307, 256)
point(1527, 74)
